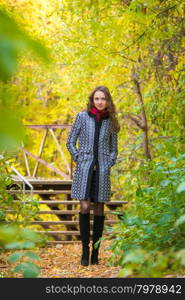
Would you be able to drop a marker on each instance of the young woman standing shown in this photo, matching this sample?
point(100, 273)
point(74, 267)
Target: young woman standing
point(96, 129)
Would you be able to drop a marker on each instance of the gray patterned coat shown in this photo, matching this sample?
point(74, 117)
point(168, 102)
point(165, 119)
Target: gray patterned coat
point(83, 129)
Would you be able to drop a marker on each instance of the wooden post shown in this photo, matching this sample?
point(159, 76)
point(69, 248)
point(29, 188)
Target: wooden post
point(40, 152)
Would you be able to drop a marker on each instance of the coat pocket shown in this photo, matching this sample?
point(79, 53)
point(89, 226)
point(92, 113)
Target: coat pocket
point(83, 156)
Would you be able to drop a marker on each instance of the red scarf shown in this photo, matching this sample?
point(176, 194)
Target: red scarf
point(99, 113)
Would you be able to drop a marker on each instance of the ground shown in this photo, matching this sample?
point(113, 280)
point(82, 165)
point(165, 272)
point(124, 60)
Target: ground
point(63, 261)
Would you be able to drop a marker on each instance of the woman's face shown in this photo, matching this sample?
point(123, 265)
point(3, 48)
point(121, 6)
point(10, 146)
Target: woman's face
point(99, 100)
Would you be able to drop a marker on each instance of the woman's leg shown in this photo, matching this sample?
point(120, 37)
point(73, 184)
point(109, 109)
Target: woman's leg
point(97, 230)
point(84, 225)
point(84, 206)
point(98, 209)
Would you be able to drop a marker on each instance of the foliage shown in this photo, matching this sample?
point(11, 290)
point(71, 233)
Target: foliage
point(5, 198)
point(103, 42)
point(15, 237)
point(152, 230)
point(13, 42)
point(22, 213)
point(111, 43)
point(143, 263)
point(63, 261)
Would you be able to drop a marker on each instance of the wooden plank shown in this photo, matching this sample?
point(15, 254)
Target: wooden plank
point(59, 232)
point(42, 181)
point(64, 232)
point(57, 171)
point(60, 149)
point(55, 202)
point(46, 223)
point(64, 212)
point(50, 212)
point(48, 126)
point(44, 192)
point(70, 212)
point(26, 162)
point(40, 151)
point(107, 222)
point(63, 242)
point(70, 202)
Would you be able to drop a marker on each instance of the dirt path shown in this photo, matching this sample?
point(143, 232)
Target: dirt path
point(63, 261)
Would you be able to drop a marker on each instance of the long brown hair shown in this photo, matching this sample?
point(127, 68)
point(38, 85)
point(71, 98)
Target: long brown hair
point(110, 106)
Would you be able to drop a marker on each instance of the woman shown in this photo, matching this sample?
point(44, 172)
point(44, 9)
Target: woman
point(96, 129)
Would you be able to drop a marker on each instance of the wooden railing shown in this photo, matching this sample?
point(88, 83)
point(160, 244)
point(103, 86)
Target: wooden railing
point(47, 130)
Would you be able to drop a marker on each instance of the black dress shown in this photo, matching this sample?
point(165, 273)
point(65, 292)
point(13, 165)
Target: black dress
point(95, 179)
point(93, 186)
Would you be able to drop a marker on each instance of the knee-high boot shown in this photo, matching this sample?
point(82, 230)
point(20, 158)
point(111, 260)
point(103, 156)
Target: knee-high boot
point(84, 224)
point(97, 234)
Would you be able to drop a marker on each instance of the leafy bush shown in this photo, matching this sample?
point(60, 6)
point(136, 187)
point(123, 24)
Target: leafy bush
point(28, 268)
point(14, 237)
point(151, 231)
point(13, 234)
point(22, 213)
point(14, 43)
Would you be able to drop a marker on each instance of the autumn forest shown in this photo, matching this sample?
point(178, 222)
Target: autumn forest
point(52, 55)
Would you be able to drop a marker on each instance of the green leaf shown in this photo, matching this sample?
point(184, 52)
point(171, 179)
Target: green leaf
point(19, 268)
point(29, 270)
point(125, 272)
point(28, 245)
point(148, 190)
point(139, 192)
point(13, 41)
point(181, 187)
point(180, 221)
point(15, 256)
point(32, 255)
point(165, 219)
point(7, 233)
point(165, 183)
point(136, 256)
point(181, 255)
point(14, 245)
point(134, 221)
point(29, 234)
point(32, 271)
point(145, 222)
point(20, 245)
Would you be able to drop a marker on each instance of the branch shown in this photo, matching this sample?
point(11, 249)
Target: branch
point(137, 120)
point(165, 10)
point(152, 24)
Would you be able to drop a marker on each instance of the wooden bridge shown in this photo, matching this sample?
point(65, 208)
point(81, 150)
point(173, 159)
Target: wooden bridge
point(52, 194)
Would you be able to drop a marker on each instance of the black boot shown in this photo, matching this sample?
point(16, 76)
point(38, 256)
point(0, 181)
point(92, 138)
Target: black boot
point(84, 223)
point(97, 234)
